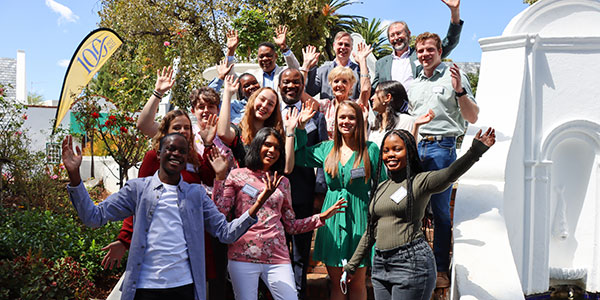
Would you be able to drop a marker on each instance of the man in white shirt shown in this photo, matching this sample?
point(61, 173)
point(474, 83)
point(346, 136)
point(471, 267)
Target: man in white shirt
point(402, 65)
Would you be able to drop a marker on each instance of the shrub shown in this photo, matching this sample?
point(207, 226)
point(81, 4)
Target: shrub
point(35, 277)
point(56, 236)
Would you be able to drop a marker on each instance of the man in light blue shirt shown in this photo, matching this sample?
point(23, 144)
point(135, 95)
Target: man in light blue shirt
point(167, 247)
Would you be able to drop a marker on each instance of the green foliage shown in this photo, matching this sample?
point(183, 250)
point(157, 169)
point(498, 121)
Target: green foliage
point(34, 98)
point(530, 2)
point(373, 34)
point(56, 236)
point(335, 22)
point(194, 30)
point(35, 277)
point(253, 29)
point(473, 80)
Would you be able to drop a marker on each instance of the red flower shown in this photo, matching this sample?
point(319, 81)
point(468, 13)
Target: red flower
point(95, 115)
point(123, 129)
point(24, 116)
point(112, 118)
point(167, 44)
point(107, 123)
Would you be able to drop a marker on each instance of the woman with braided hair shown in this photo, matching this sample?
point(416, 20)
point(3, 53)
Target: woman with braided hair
point(403, 264)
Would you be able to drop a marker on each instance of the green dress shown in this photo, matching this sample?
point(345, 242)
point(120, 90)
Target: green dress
point(339, 237)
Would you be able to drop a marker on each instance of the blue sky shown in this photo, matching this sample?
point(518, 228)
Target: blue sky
point(50, 30)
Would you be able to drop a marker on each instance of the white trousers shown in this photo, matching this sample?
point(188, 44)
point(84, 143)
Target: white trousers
point(279, 278)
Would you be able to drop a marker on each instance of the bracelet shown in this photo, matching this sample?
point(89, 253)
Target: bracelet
point(303, 69)
point(460, 94)
point(157, 94)
point(290, 134)
point(365, 75)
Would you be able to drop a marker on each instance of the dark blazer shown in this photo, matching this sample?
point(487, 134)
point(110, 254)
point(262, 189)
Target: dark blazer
point(303, 181)
point(383, 67)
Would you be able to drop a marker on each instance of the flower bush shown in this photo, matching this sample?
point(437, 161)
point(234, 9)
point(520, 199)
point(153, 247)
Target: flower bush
point(35, 277)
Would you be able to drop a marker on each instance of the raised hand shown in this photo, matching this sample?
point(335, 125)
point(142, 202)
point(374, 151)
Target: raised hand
point(290, 120)
point(280, 37)
point(164, 80)
point(488, 138)
point(426, 118)
point(223, 68)
point(456, 79)
point(116, 251)
point(310, 56)
point(334, 209)
point(271, 184)
point(307, 112)
point(208, 129)
point(232, 41)
point(218, 163)
point(71, 160)
point(362, 51)
point(452, 4)
point(231, 84)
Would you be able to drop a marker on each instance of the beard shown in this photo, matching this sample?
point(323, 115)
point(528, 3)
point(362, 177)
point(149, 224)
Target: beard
point(400, 45)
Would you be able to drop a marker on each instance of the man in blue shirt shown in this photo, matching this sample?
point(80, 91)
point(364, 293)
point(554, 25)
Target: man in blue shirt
point(167, 249)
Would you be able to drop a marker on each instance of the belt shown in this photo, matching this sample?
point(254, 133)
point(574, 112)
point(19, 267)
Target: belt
point(390, 252)
point(433, 138)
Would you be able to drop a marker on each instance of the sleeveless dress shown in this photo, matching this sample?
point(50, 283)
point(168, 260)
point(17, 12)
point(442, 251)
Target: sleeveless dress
point(339, 237)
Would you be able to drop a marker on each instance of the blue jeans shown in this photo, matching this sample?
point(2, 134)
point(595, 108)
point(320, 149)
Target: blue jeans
point(436, 155)
point(407, 272)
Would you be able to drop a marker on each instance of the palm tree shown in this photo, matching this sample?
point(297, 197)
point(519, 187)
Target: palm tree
point(336, 22)
point(374, 35)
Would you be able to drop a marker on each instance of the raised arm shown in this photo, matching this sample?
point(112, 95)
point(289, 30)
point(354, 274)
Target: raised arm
point(453, 36)
point(280, 39)
point(164, 82)
point(365, 80)
point(289, 123)
point(224, 130)
point(468, 108)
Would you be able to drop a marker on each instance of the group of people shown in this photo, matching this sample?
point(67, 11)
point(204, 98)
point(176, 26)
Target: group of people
point(233, 193)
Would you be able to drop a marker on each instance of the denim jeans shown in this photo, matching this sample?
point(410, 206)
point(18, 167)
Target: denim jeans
point(437, 155)
point(407, 272)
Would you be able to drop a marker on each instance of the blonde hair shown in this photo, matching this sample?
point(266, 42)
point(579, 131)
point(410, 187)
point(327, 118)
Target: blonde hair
point(334, 157)
point(342, 72)
point(247, 122)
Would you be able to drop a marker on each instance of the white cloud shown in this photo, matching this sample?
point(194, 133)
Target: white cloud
point(63, 63)
point(66, 14)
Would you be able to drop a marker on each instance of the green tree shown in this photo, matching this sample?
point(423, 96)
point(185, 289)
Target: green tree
point(34, 98)
point(473, 80)
point(336, 22)
point(253, 28)
point(530, 2)
point(87, 112)
point(157, 31)
point(373, 34)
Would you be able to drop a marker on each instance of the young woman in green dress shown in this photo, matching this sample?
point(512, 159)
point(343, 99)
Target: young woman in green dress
point(348, 161)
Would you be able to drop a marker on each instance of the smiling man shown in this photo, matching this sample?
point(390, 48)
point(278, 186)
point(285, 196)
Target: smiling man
point(402, 65)
point(166, 259)
point(305, 184)
point(447, 92)
point(317, 82)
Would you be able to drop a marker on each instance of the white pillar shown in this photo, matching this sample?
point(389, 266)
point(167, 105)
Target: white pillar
point(21, 86)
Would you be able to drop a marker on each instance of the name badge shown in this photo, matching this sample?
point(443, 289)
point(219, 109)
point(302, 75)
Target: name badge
point(398, 195)
point(438, 90)
point(357, 173)
point(190, 168)
point(310, 127)
point(250, 190)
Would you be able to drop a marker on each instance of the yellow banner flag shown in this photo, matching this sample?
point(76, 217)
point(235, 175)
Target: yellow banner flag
point(89, 57)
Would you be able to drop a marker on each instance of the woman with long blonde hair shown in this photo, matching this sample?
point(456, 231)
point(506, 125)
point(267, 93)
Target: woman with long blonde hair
point(348, 161)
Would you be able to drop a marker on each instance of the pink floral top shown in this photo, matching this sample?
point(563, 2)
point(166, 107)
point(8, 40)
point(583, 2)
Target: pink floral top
point(265, 241)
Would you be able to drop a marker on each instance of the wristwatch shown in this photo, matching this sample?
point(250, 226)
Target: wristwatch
point(460, 94)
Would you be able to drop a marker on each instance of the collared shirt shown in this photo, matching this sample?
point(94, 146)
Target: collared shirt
point(139, 197)
point(269, 78)
point(238, 108)
point(436, 93)
point(401, 69)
